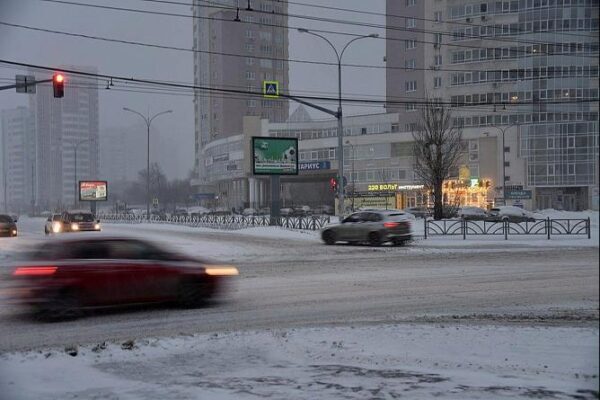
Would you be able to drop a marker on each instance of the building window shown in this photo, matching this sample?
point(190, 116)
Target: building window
point(249, 47)
point(550, 170)
point(410, 64)
point(266, 63)
point(249, 61)
point(550, 143)
point(570, 142)
point(411, 23)
point(437, 38)
point(437, 82)
point(507, 149)
point(250, 75)
point(249, 34)
point(571, 169)
point(437, 59)
point(437, 16)
point(411, 86)
point(410, 3)
point(410, 107)
point(506, 163)
point(410, 44)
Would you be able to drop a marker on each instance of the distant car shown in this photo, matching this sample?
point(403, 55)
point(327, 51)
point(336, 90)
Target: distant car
point(418, 212)
point(79, 221)
point(63, 278)
point(300, 211)
point(373, 227)
point(8, 226)
point(472, 213)
point(285, 212)
point(510, 214)
point(54, 224)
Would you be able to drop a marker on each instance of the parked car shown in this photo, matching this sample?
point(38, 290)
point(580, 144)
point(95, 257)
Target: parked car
point(8, 226)
point(373, 227)
point(249, 211)
point(180, 213)
point(285, 212)
point(418, 212)
point(472, 213)
point(54, 224)
point(510, 214)
point(63, 278)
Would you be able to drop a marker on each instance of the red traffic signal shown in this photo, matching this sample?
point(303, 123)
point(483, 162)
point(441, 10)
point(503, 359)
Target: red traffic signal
point(58, 84)
point(333, 184)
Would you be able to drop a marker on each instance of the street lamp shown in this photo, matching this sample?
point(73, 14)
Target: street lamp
point(75, 147)
point(148, 120)
point(339, 55)
point(503, 130)
point(353, 176)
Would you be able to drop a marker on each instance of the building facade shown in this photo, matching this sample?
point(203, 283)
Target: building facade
point(378, 163)
point(18, 162)
point(236, 49)
point(66, 130)
point(525, 67)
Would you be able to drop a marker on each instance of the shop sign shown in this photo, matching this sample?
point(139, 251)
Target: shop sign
point(411, 187)
point(383, 187)
point(518, 194)
point(314, 166)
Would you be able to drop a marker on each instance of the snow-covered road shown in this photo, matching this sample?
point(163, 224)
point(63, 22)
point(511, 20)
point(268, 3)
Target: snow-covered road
point(481, 297)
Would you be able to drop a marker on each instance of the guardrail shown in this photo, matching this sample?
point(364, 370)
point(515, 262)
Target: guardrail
point(229, 222)
point(547, 227)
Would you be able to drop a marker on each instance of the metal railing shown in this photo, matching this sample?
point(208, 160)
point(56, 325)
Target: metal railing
point(222, 221)
point(547, 227)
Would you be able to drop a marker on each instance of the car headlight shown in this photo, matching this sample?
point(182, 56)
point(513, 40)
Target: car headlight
point(97, 227)
point(74, 227)
point(14, 232)
point(56, 227)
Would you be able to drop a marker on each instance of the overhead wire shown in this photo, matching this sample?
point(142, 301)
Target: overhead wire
point(282, 26)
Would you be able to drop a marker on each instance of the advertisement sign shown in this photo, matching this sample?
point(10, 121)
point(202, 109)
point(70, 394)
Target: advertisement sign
point(93, 191)
point(383, 187)
point(274, 156)
point(314, 166)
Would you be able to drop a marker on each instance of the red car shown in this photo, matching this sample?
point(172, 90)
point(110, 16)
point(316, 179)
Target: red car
point(63, 278)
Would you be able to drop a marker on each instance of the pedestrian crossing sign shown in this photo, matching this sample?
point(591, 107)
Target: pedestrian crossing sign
point(271, 89)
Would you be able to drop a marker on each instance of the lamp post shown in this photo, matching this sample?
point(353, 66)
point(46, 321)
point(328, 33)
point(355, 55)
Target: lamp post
point(339, 55)
point(503, 130)
point(75, 147)
point(353, 175)
point(148, 120)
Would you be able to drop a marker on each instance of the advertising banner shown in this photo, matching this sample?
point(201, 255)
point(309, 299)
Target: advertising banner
point(93, 191)
point(275, 156)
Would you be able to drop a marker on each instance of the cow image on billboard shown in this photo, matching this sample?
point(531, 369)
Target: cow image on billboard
point(275, 156)
point(93, 191)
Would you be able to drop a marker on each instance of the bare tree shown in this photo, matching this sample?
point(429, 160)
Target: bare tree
point(437, 149)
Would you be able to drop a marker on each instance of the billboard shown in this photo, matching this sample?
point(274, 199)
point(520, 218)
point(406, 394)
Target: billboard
point(274, 156)
point(93, 191)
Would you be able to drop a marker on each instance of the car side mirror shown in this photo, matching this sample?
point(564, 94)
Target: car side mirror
point(15, 219)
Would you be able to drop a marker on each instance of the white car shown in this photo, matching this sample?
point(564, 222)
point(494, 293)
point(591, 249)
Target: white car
point(54, 224)
point(511, 214)
point(472, 213)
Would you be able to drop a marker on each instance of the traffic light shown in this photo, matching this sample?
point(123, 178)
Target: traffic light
point(58, 84)
point(333, 184)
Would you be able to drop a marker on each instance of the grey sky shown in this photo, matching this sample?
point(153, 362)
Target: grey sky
point(140, 62)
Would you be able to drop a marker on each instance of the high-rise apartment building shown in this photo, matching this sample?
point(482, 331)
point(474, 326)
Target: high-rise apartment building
point(65, 126)
point(18, 149)
point(529, 67)
point(235, 49)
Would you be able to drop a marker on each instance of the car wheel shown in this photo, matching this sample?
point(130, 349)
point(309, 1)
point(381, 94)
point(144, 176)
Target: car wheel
point(399, 242)
point(192, 293)
point(329, 237)
point(374, 239)
point(65, 305)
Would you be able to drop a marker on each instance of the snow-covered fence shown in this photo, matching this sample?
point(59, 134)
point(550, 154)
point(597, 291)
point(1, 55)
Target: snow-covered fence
point(222, 221)
point(547, 227)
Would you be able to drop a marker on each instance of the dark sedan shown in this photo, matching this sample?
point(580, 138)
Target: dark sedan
point(63, 278)
point(8, 226)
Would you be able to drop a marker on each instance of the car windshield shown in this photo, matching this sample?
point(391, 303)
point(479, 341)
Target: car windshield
point(5, 219)
point(82, 217)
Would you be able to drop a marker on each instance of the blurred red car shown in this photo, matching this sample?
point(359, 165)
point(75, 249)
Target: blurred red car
point(63, 278)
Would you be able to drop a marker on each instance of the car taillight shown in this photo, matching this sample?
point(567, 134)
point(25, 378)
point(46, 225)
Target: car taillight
point(31, 271)
point(390, 224)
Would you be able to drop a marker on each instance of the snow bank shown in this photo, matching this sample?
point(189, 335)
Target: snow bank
point(414, 361)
